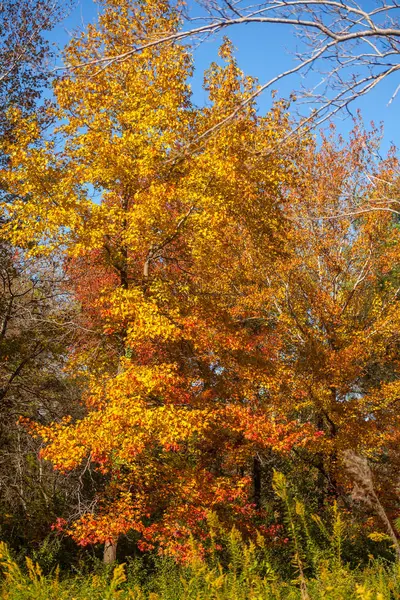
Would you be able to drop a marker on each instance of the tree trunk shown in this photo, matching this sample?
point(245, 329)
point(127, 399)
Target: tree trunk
point(257, 482)
point(110, 552)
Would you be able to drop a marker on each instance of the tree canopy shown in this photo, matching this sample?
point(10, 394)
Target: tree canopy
point(237, 305)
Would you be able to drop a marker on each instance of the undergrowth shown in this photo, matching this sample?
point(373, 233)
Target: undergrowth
point(310, 567)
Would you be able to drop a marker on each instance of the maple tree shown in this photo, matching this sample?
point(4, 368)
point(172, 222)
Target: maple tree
point(236, 301)
point(173, 370)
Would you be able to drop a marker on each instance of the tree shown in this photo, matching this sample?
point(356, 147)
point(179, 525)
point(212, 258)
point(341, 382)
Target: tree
point(36, 318)
point(353, 48)
point(338, 306)
point(34, 315)
point(25, 53)
point(173, 368)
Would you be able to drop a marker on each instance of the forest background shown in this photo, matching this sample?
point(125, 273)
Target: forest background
point(199, 309)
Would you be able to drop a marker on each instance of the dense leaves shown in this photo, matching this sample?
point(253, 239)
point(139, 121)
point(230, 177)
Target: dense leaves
point(238, 302)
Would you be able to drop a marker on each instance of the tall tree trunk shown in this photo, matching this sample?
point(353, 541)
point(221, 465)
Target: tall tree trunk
point(257, 482)
point(121, 265)
point(321, 490)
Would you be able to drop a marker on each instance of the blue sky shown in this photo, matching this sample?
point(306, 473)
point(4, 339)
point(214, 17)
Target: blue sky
point(263, 51)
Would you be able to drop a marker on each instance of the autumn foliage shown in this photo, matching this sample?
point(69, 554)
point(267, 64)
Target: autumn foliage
point(238, 286)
